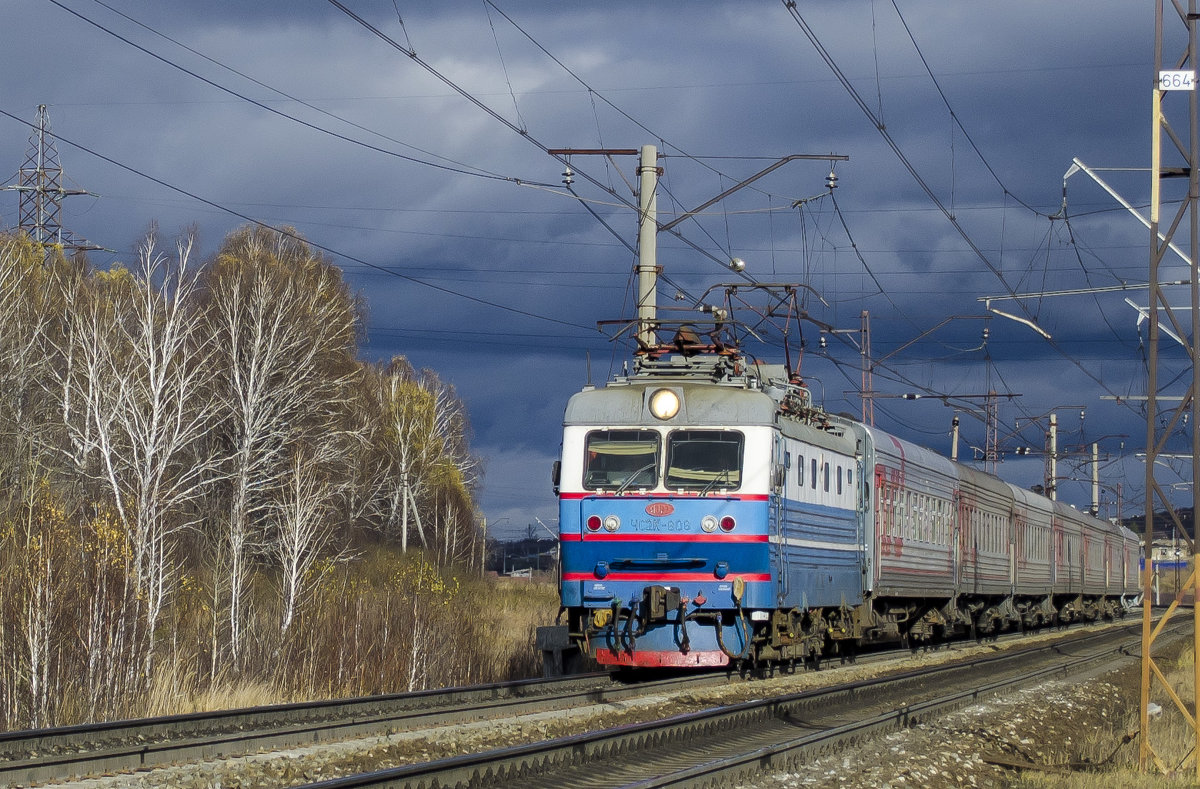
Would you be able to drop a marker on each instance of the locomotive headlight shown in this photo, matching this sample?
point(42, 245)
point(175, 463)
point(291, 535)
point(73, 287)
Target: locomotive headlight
point(612, 523)
point(709, 523)
point(593, 523)
point(664, 404)
point(728, 523)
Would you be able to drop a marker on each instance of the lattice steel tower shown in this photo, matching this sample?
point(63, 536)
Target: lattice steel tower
point(41, 190)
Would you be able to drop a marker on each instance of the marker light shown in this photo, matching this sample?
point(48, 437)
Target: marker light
point(664, 404)
point(709, 523)
point(727, 523)
point(593, 523)
point(612, 523)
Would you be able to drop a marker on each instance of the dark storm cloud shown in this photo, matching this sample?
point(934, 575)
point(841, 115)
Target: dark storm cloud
point(1033, 85)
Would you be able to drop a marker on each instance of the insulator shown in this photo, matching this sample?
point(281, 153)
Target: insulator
point(831, 180)
point(824, 343)
point(985, 333)
point(568, 177)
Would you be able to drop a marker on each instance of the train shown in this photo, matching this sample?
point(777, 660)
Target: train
point(712, 515)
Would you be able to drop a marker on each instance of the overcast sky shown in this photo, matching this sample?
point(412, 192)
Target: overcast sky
point(451, 219)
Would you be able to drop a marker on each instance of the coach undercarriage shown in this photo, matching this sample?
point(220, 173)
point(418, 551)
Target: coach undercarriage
point(616, 634)
point(916, 621)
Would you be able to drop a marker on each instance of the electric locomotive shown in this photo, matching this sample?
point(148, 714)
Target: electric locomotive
point(711, 514)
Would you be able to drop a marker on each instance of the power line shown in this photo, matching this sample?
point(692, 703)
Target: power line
point(323, 248)
point(825, 55)
point(412, 55)
point(476, 173)
point(954, 115)
point(289, 96)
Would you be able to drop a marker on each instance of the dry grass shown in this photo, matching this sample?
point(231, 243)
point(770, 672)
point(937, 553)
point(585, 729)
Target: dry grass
point(384, 622)
point(1117, 761)
point(176, 688)
point(1170, 579)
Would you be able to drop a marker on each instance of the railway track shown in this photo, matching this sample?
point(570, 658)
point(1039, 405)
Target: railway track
point(141, 745)
point(728, 744)
point(56, 754)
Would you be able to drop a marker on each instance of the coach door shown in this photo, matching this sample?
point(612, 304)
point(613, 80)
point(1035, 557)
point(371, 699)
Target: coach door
point(862, 512)
point(1108, 555)
point(780, 516)
point(1016, 542)
point(956, 539)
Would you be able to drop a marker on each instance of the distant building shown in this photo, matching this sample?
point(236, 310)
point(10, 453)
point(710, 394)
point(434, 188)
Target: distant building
point(1168, 550)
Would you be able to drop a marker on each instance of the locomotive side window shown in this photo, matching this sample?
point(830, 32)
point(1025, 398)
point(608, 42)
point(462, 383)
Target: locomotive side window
point(813, 468)
point(621, 459)
point(800, 472)
point(704, 459)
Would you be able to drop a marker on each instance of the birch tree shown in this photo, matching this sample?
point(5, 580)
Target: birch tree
point(284, 326)
point(421, 441)
point(135, 404)
point(303, 528)
point(32, 308)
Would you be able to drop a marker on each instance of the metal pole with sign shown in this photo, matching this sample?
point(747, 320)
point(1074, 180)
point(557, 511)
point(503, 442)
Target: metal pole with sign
point(1174, 420)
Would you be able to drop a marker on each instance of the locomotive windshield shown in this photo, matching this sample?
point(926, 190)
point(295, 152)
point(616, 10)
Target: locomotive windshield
point(704, 459)
point(621, 459)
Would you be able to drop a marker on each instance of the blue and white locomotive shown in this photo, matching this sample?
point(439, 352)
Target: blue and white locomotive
point(711, 514)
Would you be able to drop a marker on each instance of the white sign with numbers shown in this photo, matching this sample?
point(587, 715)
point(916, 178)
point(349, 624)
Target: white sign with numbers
point(1176, 80)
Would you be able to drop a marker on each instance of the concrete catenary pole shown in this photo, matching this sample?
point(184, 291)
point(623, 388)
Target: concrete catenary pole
point(647, 265)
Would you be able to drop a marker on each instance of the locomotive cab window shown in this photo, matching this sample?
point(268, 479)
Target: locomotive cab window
point(704, 459)
point(621, 459)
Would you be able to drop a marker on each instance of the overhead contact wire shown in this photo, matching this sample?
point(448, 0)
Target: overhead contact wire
point(824, 54)
point(415, 58)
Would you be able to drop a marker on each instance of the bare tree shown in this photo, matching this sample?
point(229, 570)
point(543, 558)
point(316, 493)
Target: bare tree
point(421, 440)
point(134, 399)
point(285, 327)
point(303, 528)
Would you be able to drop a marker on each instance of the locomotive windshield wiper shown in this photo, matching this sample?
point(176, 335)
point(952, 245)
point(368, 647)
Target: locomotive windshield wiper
point(629, 480)
point(722, 477)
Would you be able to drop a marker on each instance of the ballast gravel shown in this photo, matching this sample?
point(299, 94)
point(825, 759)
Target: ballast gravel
point(1048, 725)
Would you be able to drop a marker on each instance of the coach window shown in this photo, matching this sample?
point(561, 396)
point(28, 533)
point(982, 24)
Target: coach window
point(704, 459)
point(621, 459)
